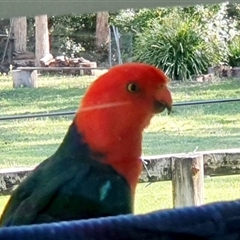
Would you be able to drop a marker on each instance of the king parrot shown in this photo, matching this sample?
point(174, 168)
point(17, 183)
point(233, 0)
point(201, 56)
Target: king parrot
point(95, 170)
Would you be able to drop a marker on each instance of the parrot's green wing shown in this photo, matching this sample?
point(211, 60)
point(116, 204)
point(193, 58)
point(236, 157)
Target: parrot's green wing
point(70, 185)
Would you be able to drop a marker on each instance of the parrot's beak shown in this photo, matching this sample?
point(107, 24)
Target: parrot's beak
point(163, 100)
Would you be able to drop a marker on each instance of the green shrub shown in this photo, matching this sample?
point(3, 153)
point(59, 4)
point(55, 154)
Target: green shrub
point(176, 45)
point(234, 52)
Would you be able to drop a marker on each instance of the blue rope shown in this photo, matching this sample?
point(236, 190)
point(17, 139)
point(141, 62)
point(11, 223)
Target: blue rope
point(216, 221)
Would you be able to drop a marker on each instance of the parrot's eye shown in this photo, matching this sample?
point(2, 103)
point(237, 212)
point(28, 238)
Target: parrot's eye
point(132, 87)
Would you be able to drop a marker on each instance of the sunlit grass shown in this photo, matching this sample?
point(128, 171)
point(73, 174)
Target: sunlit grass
point(55, 93)
point(27, 142)
point(156, 196)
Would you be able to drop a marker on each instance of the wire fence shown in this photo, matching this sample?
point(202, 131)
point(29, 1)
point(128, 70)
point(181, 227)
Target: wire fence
point(67, 113)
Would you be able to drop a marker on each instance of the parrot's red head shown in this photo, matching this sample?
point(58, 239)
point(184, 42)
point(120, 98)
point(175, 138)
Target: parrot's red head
point(116, 109)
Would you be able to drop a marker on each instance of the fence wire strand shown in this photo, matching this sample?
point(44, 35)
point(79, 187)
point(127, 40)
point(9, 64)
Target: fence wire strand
point(67, 113)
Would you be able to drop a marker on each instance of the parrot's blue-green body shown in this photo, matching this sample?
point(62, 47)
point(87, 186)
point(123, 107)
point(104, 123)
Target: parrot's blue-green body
point(69, 185)
point(95, 171)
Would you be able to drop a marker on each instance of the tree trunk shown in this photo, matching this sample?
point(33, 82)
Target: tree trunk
point(20, 33)
point(102, 29)
point(41, 37)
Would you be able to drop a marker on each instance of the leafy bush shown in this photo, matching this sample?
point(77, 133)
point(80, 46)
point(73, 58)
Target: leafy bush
point(218, 28)
point(71, 48)
point(176, 45)
point(234, 52)
point(211, 27)
point(133, 20)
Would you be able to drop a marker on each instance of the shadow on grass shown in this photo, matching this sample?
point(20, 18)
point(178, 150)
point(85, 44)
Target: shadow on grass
point(225, 85)
point(163, 143)
point(30, 149)
point(207, 109)
point(26, 156)
point(41, 99)
point(26, 142)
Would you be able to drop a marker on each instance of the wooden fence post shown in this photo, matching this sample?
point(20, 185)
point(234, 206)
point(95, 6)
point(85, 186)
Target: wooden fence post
point(187, 180)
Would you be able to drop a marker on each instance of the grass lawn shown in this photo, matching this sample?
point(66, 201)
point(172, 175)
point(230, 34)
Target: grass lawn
point(27, 142)
point(159, 195)
point(217, 126)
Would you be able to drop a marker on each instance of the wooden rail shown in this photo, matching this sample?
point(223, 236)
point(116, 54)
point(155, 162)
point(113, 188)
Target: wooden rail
point(58, 68)
point(185, 170)
point(28, 76)
point(216, 163)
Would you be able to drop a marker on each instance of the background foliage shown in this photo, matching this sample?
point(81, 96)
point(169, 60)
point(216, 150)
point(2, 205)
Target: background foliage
point(176, 45)
point(234, 52)
point(171, 38)
point(183, 41)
